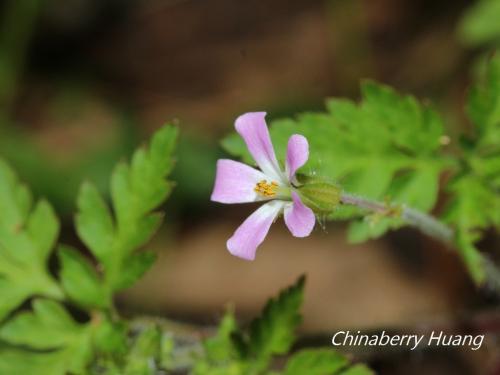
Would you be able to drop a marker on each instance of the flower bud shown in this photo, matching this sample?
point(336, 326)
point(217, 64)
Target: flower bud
point(320, 195)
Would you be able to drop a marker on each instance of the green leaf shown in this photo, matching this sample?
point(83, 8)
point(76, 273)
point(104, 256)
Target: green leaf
point(43, 228)
point(479, 24)
point(27, 236)
point(47, 327)
point(220, 354)
point(144, 356)
point(136, 190)
point(17, 361)
point(47, 340)
point(484, 108)
point(386, 147)
point(315, 362)
point(274, 331)
point(12, 296)
point(475, 203)
point(136, 266)
point(94, 223)
point(220, 347)
point(111, 337)
point(80, 280)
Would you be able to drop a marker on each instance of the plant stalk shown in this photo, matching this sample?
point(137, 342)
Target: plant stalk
point(425, 223)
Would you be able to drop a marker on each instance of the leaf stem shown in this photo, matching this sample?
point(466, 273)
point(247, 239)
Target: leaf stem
point(425, 223)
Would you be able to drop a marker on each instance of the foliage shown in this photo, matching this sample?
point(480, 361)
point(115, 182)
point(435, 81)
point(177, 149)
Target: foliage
point(250, 352)
point(68, 323)
point(27, 235)
point(390, 147)
point(475, 204)
point(47, 338)
point(479, 24)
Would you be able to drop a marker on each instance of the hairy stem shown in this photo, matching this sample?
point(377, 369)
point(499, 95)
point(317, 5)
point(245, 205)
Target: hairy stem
point(420, 220)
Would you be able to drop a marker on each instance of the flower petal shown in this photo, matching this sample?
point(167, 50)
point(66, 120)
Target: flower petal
point(296, 155)
point(299, 218)
point(252, 232)
point(235, 182)
point(253, 129)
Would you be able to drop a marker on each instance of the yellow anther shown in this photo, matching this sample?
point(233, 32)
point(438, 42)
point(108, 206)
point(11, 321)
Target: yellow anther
point(266, 189)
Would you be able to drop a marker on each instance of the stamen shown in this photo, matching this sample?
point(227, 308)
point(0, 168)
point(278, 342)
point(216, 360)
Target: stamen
point(265, 189)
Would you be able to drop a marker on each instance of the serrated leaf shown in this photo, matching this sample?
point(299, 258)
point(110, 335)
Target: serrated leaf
point(484, 106)
point(80, 280)
point(274, 331)
point(27, 236)
point(475, 202)
point(315, 362)
point(94, 223)
point(136, 190)
point(220, 347)
point(136, 266)
point(143, 231)
point(48, 327)
point(15, 199)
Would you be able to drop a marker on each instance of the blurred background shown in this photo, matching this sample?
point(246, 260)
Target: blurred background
point(83, 82)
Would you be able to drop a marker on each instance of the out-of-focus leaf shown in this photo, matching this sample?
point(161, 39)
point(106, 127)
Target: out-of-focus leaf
point(136, 190)
point(144, 357)
point(136, 265)
point(315, 362)
point(27, 235)
point(47, 327)
point(95, 224)
point(475, 203)
point(479, 24)
point(232, 351)
point(273, 332)
point(80, 280)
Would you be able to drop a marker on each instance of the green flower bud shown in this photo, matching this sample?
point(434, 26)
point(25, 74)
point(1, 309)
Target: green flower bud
point(320, 195)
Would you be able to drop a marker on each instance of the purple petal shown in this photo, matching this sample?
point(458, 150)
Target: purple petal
point(252, 232)
point(253, 129)
point(235, 182)
point(296, 155)
point(299, 218)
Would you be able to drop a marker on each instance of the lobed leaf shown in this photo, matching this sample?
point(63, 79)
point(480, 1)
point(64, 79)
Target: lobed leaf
point(27, 235)
point(113, 236)
point(80, 280)
point(273, 332)
point(475, 202)
point(47, 327)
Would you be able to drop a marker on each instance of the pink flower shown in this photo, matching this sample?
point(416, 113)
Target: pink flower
point(239, 183)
